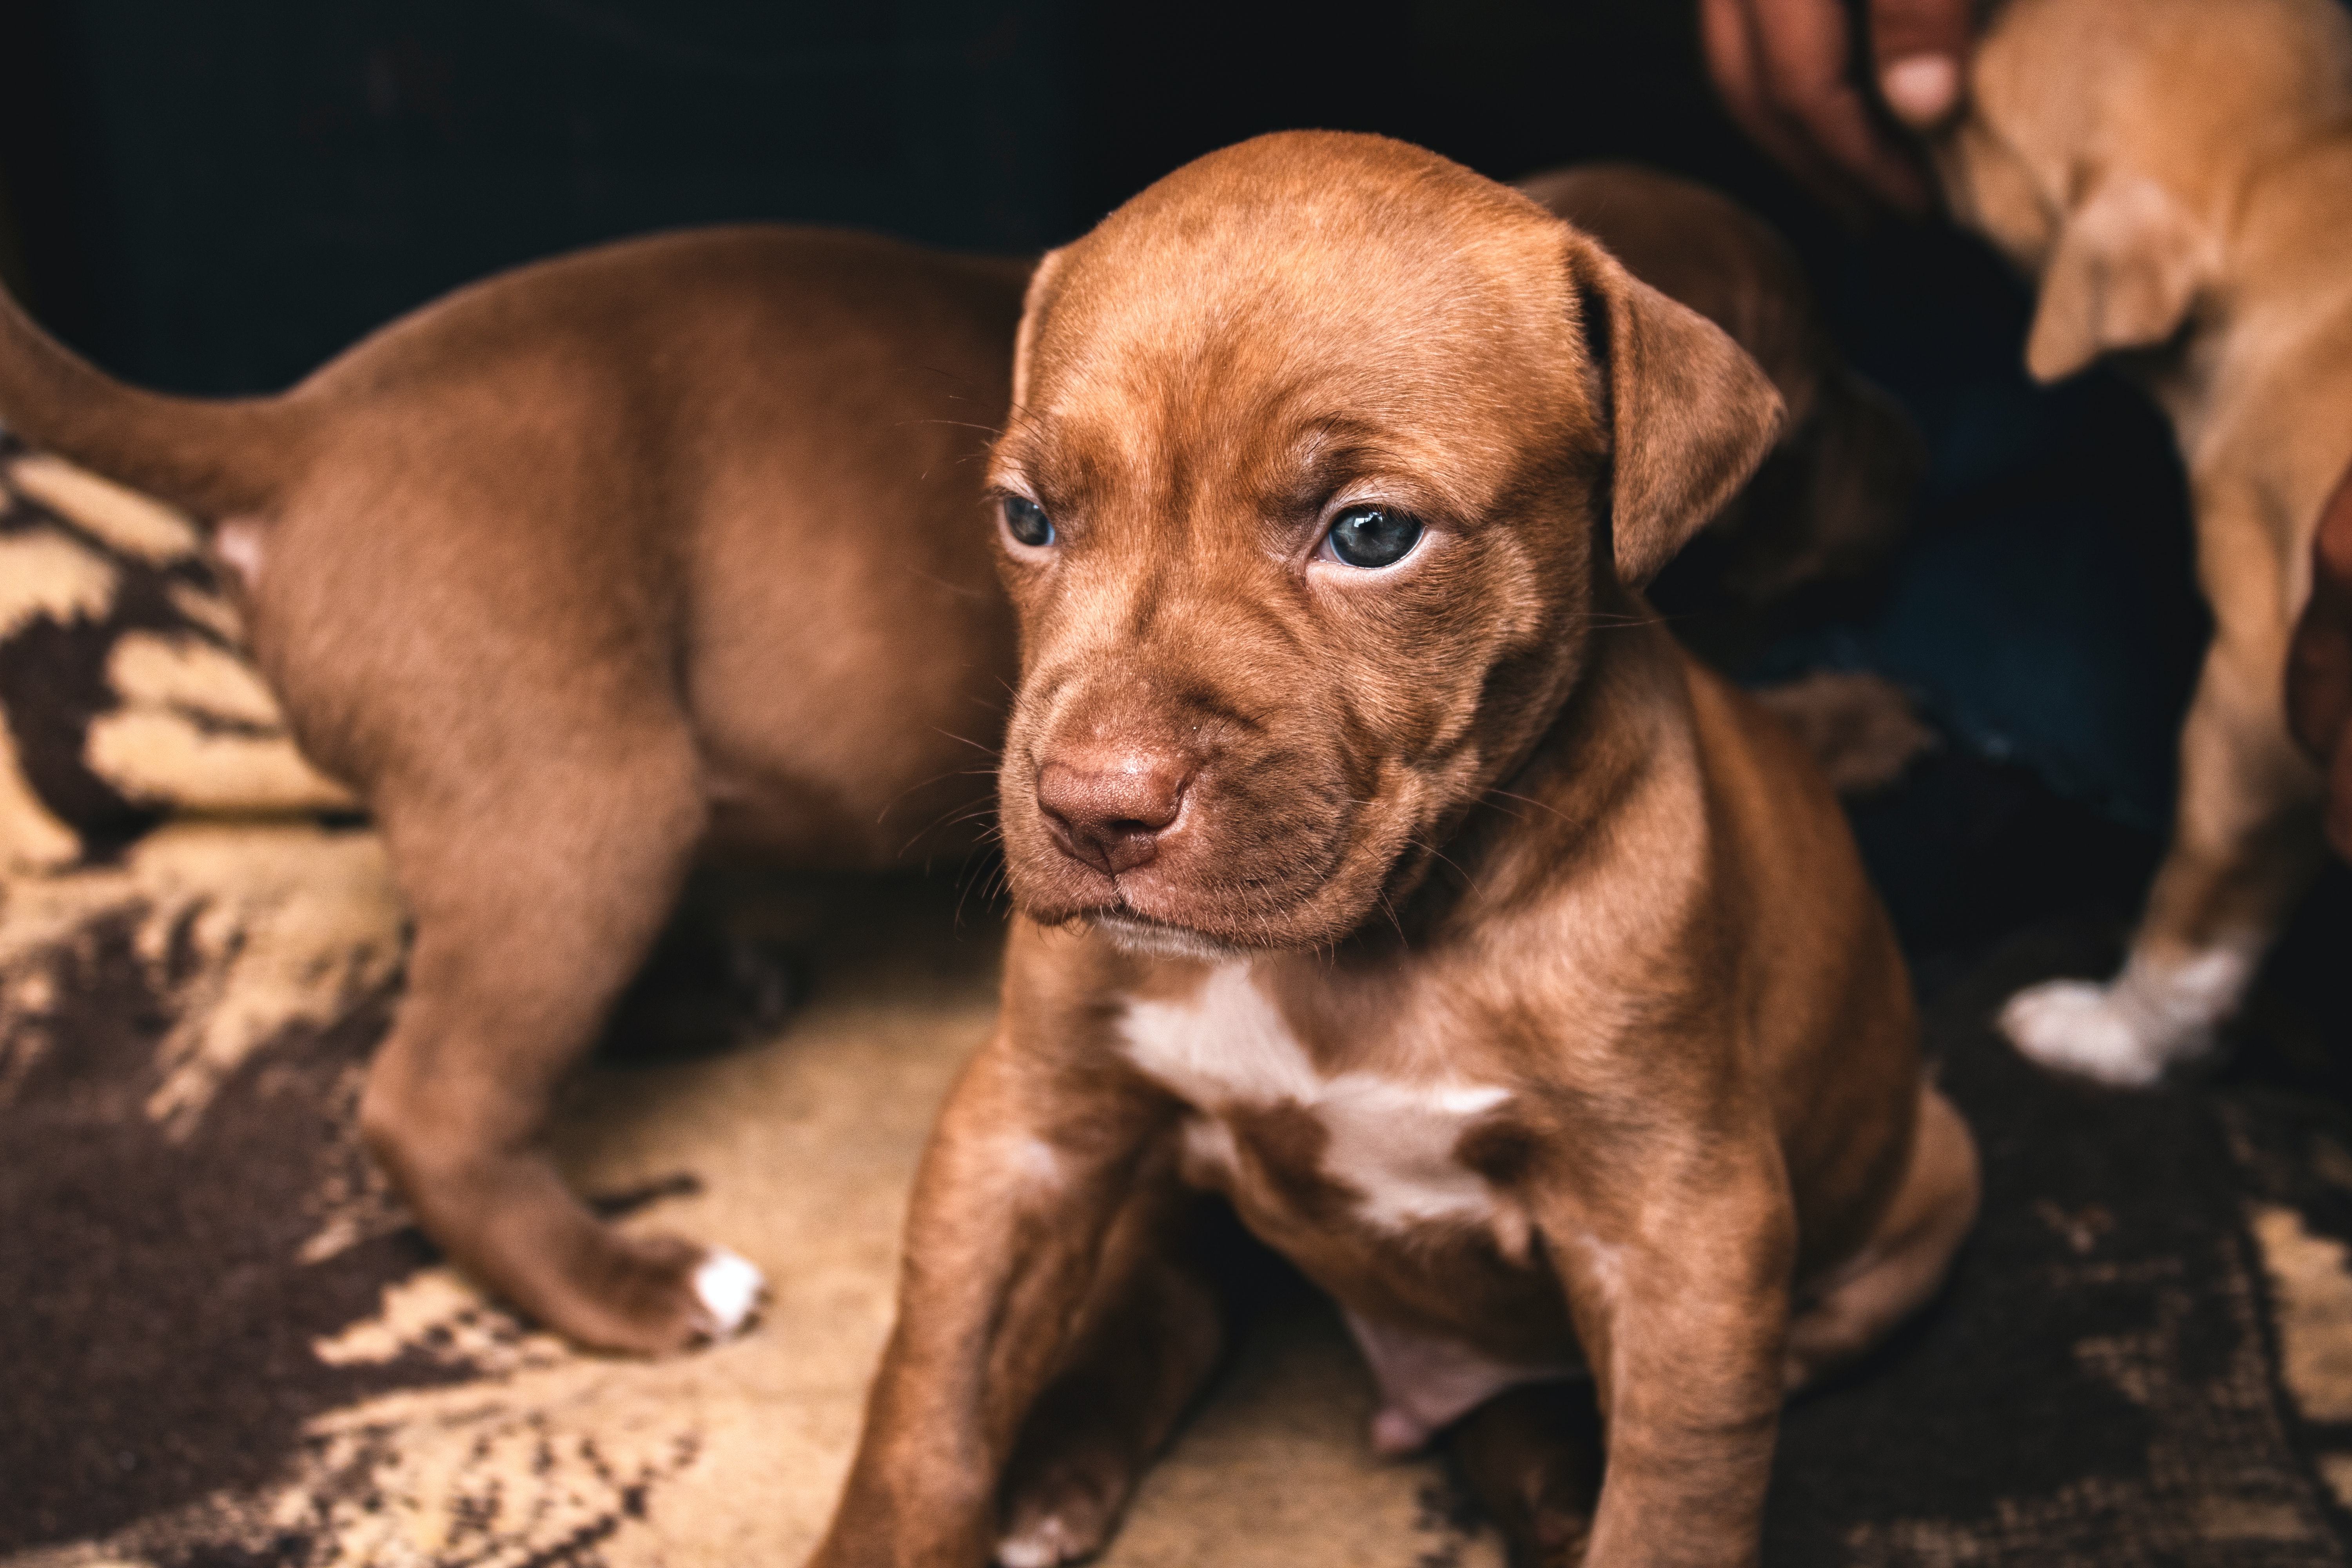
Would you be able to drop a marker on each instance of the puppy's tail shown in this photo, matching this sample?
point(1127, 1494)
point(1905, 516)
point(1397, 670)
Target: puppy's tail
point(209, 457)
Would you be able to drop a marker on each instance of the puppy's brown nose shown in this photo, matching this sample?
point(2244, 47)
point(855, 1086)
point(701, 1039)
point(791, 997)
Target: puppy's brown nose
point(1108, 806)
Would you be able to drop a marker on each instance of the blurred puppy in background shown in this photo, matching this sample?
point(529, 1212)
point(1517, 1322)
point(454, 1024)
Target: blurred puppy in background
point(1825, 511)
point(2177, 177)
point(668, 549)
point(1831, 499)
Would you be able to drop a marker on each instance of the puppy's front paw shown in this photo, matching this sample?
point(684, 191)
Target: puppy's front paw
point(2077, 1027)
point(730, 1287)
point(2127, 1033)
point(1064, 1515)
point(1047, 1542)
point(1048, 1539)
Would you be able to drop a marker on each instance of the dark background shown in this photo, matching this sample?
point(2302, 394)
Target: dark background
point(217, 197)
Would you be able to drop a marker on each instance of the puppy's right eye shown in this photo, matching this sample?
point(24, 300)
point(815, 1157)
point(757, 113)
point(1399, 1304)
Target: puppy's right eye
point(1027, 521)
point(1372, 536)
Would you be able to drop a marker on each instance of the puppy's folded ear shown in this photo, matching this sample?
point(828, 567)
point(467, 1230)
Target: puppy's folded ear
point(2122, 275)
point(1689, 414)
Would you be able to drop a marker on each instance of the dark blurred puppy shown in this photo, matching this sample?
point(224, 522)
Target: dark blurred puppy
point(1830, 502)
point(1831, 499)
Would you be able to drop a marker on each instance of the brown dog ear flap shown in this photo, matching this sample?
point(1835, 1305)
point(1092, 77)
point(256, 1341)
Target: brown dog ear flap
point(2123, 275)
point(1690, 415)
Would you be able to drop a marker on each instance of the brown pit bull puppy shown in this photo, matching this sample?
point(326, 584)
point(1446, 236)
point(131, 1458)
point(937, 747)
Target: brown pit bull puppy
point(1382, 865)
point(2177, 175)
point(667, 548)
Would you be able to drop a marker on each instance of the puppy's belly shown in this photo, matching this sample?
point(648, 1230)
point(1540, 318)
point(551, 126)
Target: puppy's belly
point(1429, 1380)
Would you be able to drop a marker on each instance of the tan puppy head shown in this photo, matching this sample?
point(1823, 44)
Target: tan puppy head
point(1325, 453)
point(2107, 143)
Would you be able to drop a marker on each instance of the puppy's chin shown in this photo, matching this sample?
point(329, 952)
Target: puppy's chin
point(1155, 916)
point(1149, 939)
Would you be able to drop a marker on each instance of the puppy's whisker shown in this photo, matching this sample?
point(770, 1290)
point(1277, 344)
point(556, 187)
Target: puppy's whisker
point(891, 804)
point(982, 872)
point(956, 588)
point(983, 749)
point(952, 816)
point(1440, 856)
point(1540, 806)
point(988, 430)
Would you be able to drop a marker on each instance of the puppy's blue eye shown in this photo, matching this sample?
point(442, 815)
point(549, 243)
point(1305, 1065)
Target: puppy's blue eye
point(1025, 521)
point(1374, 536)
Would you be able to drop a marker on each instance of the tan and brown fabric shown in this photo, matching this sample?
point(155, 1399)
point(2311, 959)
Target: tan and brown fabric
point(225, 1346)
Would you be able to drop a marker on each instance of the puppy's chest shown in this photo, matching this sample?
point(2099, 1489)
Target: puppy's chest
point(1300, 1146)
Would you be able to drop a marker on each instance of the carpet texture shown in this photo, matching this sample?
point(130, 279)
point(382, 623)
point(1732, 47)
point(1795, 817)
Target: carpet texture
point(226, 1345)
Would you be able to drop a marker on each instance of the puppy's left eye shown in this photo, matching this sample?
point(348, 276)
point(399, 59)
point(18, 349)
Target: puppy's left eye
point(1025, 521)
point(1371, 536)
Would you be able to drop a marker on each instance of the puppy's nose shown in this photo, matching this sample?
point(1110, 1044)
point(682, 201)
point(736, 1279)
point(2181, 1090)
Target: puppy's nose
point(1109, 807)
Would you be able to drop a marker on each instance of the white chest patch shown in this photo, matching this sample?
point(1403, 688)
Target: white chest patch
point(1391, 1140)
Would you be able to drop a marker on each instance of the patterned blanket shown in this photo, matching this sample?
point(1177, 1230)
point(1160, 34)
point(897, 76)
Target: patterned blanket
point(226, 1345)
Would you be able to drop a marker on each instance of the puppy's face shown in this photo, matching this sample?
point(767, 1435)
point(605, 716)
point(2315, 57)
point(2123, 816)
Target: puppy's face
point(1300, 505)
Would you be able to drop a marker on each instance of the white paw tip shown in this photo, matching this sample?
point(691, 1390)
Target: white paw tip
point(728, 1286)
point(2075, 1026)
point(1039, 1545)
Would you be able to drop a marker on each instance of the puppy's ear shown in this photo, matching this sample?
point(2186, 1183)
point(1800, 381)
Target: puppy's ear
point(2123, 274)
point(1689, 414)
point(1033, 305)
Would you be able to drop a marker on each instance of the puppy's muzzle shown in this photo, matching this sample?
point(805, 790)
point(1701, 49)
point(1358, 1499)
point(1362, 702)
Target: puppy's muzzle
point(1109, 808)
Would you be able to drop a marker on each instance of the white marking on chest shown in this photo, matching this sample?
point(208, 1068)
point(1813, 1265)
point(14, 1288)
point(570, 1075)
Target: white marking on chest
point(1392, 1140)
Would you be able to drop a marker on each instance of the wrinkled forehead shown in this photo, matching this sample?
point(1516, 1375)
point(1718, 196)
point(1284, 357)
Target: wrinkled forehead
point(1242, 313)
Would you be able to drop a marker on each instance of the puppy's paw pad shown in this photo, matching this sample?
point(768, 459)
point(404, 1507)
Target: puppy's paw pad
point(728, 1286)
point(1045, 1542)
point(2078, 1026)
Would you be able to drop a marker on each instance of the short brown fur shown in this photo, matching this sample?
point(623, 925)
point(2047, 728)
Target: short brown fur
point(578, 573)
point(1472, 824)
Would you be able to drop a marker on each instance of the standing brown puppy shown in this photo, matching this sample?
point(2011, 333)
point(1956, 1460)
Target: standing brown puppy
point(673, 546)
point(2176, 176)
point(1384, 867)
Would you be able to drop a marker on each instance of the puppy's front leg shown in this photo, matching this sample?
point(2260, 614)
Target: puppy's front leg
point(1031, 1164)
point(1683, 1310)
point(2245, 842)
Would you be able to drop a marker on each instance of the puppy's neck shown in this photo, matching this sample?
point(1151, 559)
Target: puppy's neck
point(1625, 729)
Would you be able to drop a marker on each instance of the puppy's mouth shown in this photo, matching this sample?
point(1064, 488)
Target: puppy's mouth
point(1147, 938)
point(1215, 892)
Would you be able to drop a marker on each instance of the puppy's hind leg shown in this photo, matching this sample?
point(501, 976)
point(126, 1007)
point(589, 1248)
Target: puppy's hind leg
point(1153, 1329)
point(1840, 1319)
point(535, 895)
